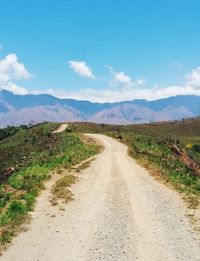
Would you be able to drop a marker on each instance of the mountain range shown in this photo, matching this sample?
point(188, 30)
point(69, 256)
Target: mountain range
point(24, 109)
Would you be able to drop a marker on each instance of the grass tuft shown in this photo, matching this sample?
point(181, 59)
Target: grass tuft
point(60, 189)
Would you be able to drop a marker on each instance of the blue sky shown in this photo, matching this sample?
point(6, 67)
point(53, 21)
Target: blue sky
point(101, 50)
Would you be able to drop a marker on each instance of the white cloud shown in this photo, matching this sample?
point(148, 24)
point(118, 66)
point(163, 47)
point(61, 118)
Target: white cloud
point(12, 87)
point(140, 82)
point(11, 68)
point(121, 93)
point(110, 95)
point(81, 68)
point(193, 79)
point(123, 79)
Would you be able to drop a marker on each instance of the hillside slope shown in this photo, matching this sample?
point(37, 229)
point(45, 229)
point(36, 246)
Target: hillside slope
point(170, 150)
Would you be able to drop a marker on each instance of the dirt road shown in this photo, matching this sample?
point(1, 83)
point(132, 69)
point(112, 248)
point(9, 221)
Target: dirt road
point(119, 213)
point(61, 128)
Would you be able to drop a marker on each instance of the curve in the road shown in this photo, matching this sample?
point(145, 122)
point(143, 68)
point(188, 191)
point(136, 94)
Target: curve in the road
point(119, 213)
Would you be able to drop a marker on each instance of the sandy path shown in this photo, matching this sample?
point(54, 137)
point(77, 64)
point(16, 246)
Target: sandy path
point(119, 213)
point(61, 128)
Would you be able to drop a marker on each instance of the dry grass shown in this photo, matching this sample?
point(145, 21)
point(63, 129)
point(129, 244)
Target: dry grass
point(83, 165)
point(60, 190)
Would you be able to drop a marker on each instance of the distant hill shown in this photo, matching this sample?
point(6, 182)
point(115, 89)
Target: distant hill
point(24, 109)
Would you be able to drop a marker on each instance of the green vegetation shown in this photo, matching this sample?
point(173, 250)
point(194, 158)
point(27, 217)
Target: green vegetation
point(165, 159)
point(10, 131)
point(170, 150)
point(27, 159)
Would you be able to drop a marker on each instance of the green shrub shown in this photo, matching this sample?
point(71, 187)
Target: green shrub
point(16, 208)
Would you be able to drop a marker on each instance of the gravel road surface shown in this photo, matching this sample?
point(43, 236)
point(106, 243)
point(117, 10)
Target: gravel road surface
point(119, 213)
